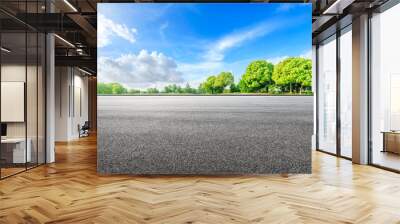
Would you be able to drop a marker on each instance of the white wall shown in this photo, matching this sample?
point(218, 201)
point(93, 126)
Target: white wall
point(80, 109)
point(33, 126)
point(17, 73)
point(62, 82)
point(70, 84)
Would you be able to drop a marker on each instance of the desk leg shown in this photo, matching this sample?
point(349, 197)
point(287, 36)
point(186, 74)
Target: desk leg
point(384, 142)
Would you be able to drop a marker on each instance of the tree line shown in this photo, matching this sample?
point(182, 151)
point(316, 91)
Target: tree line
point(291, 75)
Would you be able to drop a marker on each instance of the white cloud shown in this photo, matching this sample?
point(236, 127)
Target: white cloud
point(198, 71)
point(307, 54)
point(216, 51)
point(204, 67)
point(276, 60)
point(213, 59)
point(107, 29)
point(139, 71)
point(163, 27)
point(284, 7)
point(154, 69)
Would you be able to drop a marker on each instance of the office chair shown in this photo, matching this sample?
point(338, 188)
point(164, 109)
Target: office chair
point(84, 130)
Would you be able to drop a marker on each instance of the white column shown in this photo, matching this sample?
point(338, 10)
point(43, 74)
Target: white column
point(50, 92)
point(50, 99)
point(314, 89)
point(360, 90)
point(63, 102)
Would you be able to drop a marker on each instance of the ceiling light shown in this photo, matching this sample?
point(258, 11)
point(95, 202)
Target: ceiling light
point(84, 71)
point(70, 5)
point(5, 50)
point(337, 7)
point(65, 41)
point(331, 7)
point(79, 51)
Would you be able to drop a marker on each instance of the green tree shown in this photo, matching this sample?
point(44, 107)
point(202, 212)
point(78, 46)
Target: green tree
point(168, 89)
point(179, 89)
point(134, 91)
point(257, 77)
point(303, 68)
point(152, 90)
point(208, 85)
point(294, 73)
point(223, 80)
point(118, 88)
point(111, 88)
point(201, 89)
point(173, 88)
point(217, 84)
point(104, 88)
point(243, 86)
point(189, 89)
point(234, 88)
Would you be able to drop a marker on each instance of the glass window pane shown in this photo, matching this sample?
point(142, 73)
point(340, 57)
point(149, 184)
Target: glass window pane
point(23, 90)
point(13, 86)
point(385, 84)
point(346, 92)
point(327, 95)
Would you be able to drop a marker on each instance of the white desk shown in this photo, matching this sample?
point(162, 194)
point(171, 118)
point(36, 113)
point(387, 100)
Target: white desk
point(19, 154)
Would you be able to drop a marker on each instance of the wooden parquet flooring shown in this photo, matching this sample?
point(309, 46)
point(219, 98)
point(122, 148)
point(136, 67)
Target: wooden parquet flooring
point(70, 191)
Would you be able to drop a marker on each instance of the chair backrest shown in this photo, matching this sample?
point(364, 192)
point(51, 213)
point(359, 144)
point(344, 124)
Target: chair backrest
point(86, 125)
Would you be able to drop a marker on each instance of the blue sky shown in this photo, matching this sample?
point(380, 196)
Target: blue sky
point(153, 45)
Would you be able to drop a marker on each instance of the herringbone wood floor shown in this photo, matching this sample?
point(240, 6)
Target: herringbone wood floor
point(70, 191)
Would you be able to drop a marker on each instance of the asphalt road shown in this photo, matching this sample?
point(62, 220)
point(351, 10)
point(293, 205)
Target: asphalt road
point(209, 135)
